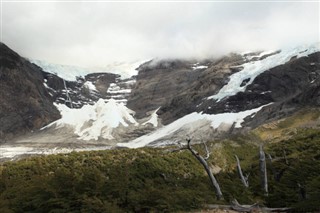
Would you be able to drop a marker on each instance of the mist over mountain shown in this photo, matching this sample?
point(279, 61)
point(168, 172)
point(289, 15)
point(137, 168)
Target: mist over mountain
point(90, 34)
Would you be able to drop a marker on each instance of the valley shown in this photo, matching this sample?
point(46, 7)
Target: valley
point(81, 130)
point(159, 106)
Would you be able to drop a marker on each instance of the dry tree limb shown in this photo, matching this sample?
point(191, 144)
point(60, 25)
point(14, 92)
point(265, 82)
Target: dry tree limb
point(244, 179)
point(263, 170)
point(203, 161)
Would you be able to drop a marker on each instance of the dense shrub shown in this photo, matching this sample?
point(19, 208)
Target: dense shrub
point(145, 180)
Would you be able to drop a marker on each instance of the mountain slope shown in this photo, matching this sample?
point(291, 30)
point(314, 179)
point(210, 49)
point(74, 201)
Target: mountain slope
point(25, 103)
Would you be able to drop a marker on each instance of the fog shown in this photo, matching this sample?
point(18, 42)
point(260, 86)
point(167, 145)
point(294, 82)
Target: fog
point(100, 33)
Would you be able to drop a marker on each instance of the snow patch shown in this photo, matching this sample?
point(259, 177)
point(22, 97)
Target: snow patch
point(45, 85)
point(153, 119)
point(125, 70)
point(249, 57)
point(10, 152)
point(253, 69)
point(197, 67)
point(90, 86)
point(119, 91)
point(15, 151)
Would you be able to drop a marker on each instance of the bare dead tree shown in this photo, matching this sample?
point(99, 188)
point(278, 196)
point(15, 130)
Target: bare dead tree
point(204, 163)
point(274, 172)
point(263, 170)
point(302, 191)
point(285, 156)
point(244, 179)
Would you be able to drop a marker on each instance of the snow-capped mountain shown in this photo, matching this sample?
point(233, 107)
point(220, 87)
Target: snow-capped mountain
point(168, 100)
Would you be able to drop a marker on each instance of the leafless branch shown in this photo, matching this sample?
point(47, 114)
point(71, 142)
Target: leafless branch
point(244, 179)
point(285, 156)
point(204, 163)
point(207, 151)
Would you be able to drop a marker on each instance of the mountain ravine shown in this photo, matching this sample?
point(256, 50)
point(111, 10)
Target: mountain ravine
point(165, 102)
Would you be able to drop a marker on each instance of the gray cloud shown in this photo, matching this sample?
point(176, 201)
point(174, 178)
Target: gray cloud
point(95, 34)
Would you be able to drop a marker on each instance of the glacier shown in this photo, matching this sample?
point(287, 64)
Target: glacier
point(215, 119)
point(94, 121)
point(252, 69)
point(70, 73)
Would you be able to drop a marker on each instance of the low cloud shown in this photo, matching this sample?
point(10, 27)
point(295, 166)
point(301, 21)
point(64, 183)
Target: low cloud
point(96, 34)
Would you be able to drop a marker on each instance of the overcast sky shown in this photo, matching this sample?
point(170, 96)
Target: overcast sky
point(96, 34)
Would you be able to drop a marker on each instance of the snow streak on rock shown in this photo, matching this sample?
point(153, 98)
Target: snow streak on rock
point(120, 90)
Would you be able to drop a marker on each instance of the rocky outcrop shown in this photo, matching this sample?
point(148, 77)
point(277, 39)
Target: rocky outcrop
point(25, 103)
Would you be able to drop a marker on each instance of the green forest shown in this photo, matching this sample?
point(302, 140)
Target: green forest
point(159, 180)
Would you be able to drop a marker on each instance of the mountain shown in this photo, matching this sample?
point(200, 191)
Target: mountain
point(165, 101)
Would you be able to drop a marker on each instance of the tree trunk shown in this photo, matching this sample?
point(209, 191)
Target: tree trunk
point(204, 163)
point(274, 172)
point(244, 179)
point(263, 170)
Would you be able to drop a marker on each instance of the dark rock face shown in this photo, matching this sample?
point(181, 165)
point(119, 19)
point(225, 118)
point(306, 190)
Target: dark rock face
point(25, 103)
point(107, 85)
point(79, 94)
point(177, 87)
point(102, 81)
point(160, 84)
point(291, 80)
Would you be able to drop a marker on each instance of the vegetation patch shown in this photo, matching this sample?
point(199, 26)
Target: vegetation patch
point(155, 180)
